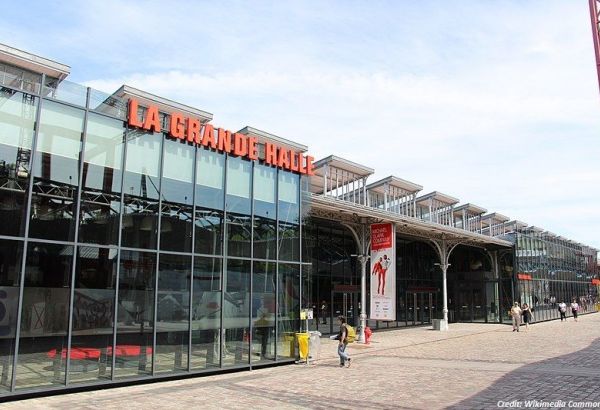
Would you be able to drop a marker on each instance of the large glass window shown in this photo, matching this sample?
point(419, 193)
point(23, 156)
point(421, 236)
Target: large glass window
point(172, 316)
point(177, 196)
point(208, 221)
point(206, 313)
point(236, 313)
point(101, 181)
point(135, 314)
point(56, 172)
point(11, 253)
point(289, 217)
point(44, 320)
point(263, 311)
point(238, 206)
point(17, 123)
point(141, 188)
point(288, 308)
point(93, 314)
point(265, 212)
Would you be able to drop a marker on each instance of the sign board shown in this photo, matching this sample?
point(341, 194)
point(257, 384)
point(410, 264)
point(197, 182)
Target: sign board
point(383, 272)
point(306, 314)
point(193, 131)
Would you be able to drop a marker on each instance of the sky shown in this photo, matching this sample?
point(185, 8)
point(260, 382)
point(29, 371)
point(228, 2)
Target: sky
point(494, 103)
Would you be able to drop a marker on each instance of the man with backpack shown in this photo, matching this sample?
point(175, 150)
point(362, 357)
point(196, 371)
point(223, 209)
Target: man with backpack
point(343, 340)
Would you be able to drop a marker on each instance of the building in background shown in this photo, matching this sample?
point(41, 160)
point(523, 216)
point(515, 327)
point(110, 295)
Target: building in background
point(134, 248)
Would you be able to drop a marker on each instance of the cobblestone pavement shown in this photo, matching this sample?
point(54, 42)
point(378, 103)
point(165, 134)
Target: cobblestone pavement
point(471, 366)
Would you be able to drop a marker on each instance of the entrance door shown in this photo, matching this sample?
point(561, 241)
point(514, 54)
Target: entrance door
point(471, 302)
point(464, 301)
point(420, 307)
point(346, 304)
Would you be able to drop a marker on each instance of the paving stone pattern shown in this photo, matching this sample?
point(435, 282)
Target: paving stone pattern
point(472, 366)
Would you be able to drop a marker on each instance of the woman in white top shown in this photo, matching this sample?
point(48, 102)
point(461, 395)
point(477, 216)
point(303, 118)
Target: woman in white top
point(574, 309)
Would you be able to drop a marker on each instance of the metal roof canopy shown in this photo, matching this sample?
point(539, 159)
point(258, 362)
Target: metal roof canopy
point(164, 105)
point(264, 136)
point(379, 186)
point(354, 172)
point(532, 229)
point(438, 196)
point(495, 217)
point(473, 209)
point(516, 225)
point(33, 62)
point(406, 225)
point(549, 234)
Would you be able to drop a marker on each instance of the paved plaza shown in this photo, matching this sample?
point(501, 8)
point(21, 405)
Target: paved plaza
point(471, 366)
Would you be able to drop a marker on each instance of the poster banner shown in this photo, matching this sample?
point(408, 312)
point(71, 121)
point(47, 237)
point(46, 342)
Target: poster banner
point(383, 272)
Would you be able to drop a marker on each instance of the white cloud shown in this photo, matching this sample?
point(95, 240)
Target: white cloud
point(499, 109)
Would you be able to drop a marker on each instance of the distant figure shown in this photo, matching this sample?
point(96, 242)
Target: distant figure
point(324, 312)
point(515, 313)
point(574, 309)
point(527, 315)
point(562, 308)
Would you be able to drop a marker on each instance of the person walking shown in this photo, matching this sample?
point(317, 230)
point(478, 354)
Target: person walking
point(342, 338)
point(562, 309)
point(515, 313)
point(574, 309)
point(527, 315)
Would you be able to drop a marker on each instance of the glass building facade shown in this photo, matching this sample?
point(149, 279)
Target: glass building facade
point(130, 255)
point(126, 254)
point(551, 270)
point(476, 291)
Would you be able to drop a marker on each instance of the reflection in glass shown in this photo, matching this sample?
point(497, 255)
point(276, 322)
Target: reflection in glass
point(263, 311)
point(206, 313)
point(236, 313)
point(208, 221)
point(135, 321)
point(172, 315)
point(141, 187)
point(93, 314)
point(288, 312)
point(17, 122)
point(265, 212)
point(238, 206)
point(101, 181)
point(56, 172)
point(177, 196)
point(11, 253)
point(44, 320)
point(289, 217)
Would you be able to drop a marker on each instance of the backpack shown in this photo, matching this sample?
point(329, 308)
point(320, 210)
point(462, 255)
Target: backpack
point(351, 336)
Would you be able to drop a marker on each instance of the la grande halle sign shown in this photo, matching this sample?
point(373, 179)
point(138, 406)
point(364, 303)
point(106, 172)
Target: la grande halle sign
point(192, 130)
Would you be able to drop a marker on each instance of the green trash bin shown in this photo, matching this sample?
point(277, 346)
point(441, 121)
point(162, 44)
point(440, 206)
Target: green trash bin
point(302, 339)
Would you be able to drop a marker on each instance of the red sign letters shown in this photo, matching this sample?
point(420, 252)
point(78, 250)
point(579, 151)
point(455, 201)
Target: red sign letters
point(192, 130)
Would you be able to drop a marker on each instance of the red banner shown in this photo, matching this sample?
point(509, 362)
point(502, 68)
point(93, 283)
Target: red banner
point(381, 236)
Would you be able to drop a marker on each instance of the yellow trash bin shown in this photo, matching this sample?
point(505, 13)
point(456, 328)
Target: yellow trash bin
point(303, 344)
point(289, 342)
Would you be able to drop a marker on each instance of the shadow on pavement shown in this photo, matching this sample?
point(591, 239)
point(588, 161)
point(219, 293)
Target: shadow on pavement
point(571, 377)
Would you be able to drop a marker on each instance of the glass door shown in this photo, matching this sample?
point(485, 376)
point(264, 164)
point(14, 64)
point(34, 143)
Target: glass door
point(426, 307)
point(346, 304)
point(479, 314)
point(411, 308)
point(464, 303)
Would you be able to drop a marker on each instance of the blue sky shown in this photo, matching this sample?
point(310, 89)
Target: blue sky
point(495, 103)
